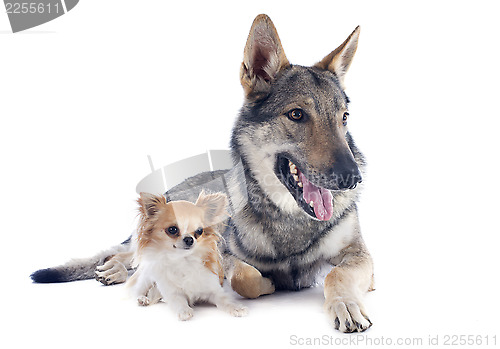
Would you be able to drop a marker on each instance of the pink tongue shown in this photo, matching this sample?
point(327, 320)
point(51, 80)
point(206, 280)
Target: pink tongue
point(322, 199)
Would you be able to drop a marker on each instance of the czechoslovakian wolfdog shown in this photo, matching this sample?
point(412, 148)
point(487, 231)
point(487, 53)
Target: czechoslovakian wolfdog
point(300, 172)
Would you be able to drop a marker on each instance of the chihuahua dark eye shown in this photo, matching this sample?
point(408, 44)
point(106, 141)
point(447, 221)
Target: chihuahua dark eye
point(173, 230)
point(295, 114)
point(198, 232)
point(344, 118)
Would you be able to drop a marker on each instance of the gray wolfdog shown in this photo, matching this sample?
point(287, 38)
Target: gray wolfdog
point(300, 171)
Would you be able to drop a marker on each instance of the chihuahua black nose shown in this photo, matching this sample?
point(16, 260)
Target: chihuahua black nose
point(188, 240)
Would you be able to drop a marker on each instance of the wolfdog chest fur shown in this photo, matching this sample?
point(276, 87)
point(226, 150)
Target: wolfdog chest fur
point(290, 248)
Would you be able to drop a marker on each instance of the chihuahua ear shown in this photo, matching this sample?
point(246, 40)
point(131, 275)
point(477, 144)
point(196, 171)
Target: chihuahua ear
point(149, 204)
point(339, 60)
point(214, 206)
point(263, 57)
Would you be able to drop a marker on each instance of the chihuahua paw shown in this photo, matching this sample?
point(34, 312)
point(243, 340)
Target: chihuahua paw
point(234, 309)
point(185, 314)
point(237, 310)
point(143, 301)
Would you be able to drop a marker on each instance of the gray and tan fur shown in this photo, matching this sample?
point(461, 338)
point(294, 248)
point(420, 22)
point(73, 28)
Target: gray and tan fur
point(292, 115)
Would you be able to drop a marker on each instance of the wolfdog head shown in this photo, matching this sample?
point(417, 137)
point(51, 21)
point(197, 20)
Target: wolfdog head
point(292, 133)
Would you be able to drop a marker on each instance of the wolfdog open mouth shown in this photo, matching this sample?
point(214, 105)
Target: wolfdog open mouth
point(315, 201)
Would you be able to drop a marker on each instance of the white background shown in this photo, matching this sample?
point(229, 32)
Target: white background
point(85, 98)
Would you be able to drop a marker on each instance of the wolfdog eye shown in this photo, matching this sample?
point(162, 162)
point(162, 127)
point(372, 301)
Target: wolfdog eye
point(344, 118)
point(295, 114)
point(198, 232)
point(173, 230)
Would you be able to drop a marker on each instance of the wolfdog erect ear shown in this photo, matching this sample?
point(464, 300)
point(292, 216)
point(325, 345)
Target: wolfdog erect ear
point(339, 60)
point(214, 206)
point(263, 57)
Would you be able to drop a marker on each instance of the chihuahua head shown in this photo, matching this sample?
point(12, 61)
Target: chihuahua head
point(179, 227)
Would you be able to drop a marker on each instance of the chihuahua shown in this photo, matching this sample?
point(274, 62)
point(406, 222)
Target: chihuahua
point(177, 255)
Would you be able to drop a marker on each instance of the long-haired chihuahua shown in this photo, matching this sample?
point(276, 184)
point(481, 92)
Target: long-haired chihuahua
point(177, 255)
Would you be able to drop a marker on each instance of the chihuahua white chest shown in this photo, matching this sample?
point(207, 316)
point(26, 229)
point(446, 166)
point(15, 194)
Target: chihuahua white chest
point(186, 276)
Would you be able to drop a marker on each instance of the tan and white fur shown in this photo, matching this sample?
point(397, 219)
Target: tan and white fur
point(177, 255)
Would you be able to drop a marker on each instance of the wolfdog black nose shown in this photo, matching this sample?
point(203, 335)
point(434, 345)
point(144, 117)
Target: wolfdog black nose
point(188, 240)
point(349, 179)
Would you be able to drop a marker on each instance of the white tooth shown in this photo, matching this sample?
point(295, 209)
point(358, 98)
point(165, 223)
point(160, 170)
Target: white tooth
point(311, 203)
point(294, 171)
point(300, 184)
point(296, 178)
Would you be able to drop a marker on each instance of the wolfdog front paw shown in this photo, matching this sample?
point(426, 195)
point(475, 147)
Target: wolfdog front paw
point(347, 316)
point(185, 314)
point(111, 272)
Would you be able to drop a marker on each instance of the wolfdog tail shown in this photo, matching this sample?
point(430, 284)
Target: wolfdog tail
point(78, 269)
